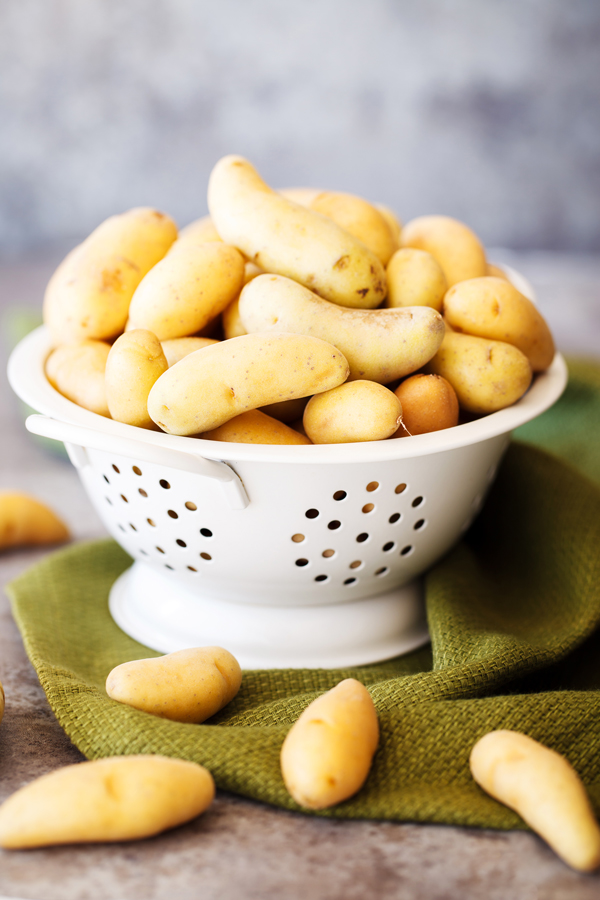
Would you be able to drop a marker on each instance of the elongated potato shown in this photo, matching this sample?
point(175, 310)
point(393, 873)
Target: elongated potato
point(327, 754)
point(355, 411)
point(187, 290)
point(415, 278)
point(25, 521)
point(543, 787)
point(486, 375)
point(176, 348)
point(493, 308)
point(288, 239)
point(429, 403)
point(89, 294)
point(380, 345)
point(185, 686)
point(121, 798)
point(457, 249)
point(136, 360)
point(255, 427)
point(360, 218)
point(77, 371)
point(213, 385)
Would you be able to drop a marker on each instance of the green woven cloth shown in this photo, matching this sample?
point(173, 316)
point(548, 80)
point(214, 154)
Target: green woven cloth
point(513, 613)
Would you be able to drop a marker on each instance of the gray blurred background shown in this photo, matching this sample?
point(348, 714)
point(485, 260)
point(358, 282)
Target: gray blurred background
point(487, 110)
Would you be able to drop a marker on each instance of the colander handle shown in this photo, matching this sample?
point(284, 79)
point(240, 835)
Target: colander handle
point(142, 449)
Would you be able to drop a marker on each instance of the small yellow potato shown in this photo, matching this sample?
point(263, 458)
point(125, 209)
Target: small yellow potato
point(176, 348)
point(255, 427)
point(486, 375)
point(394, 223)
point(288, 410)
point(493, 308)
point(328, 751)
point(458, 250)
point(415, 278)
point(360, 218)
point(380, 345)
point(25, 521)
point(136, 360)
point(285, 238)
point(200, 231)
point(355, 411)
point(77, 371)
point(214, 384)
point(429, 403)
point(184, 686)
point(89, 294)
point(544, 789)
point(120, 798)
point(187, 290)
point(496, 271)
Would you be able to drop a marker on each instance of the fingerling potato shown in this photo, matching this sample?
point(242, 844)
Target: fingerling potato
point(77, 371)
point(457, 249)
point(136, 360)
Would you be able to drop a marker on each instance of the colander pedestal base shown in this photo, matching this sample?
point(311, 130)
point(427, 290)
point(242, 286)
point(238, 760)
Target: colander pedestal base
point(166, 617)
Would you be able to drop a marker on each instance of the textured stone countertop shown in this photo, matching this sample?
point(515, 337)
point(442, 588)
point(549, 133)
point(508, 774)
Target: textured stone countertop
point(239, 848)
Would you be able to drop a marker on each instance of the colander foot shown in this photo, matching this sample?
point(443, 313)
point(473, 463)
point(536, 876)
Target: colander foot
point(150, 609)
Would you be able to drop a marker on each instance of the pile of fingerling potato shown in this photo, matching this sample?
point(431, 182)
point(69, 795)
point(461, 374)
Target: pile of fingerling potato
point(289, 317)
point(326, 758)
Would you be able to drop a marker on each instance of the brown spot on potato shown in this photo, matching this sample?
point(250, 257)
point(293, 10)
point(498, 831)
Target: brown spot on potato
point(342, 263)
point(363, 291)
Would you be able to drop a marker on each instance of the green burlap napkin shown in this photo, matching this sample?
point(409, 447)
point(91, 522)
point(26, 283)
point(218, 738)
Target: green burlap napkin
point(513, 612)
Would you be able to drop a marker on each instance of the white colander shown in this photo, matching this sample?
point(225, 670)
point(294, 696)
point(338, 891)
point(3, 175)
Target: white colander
point(288, 556)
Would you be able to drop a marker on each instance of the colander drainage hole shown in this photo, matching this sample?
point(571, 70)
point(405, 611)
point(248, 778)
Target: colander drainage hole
point(417, 502)
point(372, 486)
point(322, 578)
point(302, 562)
point(160, 549)
point(172, 513)
point(394, 518)
point(400, 488)
point(333, 525)
point(339, 495)
point(164, 484)
point(108, 500)
point(167, 566)
point(124, 498)
point(136, 469)
point(381, 571)
point(349, 580)
point(142, 492)
point(298, 538)
point(121, 527)
point(206, 532)
point(389, 546)
point(406, 550)
point(362, 537)
point(328, 553)
point(192, 569)
point(151, 522)
point(132, 526)
point(180, 542)
point(355, 564)
point(206, 556)
point(106, 479)
point(311, 513)
point(143, 552)
point(418, 525)
point(368, 507)
point(192, 507)
point(116, 469)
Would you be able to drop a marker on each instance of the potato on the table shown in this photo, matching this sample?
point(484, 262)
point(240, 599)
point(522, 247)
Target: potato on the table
point(486, 375)
point(255, 427)
point(185, 686)
point(212, 385)
point(187, 290)
point(288, 239)
point(26, 521)
point(380, 345)
point(121, 798)
point(429, 403)
point(77, 371)
point(415, 278)
point(457, 249)
point(327, 754)
point(493, 308)
point(355, 411)
point(89, 294)
point(136, 360)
